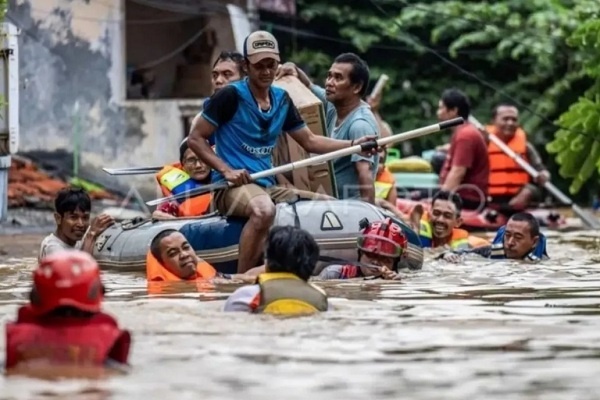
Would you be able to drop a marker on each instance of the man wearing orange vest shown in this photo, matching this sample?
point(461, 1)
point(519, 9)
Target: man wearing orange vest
point(440, 227)
point(508, 182)
point(171, 259)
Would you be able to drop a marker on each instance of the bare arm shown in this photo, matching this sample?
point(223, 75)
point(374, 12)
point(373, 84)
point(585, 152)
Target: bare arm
point(365, 181)
point(318, 144)
point(219, 110)
point(198, 142)
point(454, 178)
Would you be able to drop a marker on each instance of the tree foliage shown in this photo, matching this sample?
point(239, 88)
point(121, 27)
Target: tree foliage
point(541, 55)
point(577, 142)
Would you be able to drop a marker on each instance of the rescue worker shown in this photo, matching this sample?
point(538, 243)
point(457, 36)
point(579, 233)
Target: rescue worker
point(519, 239)
point(246, 118)
point(291, 255)
point(348, 118)
point(440, 227)
point(509, 184)
point(72, 209)
point(63, 324)
point(171, 258)
point(381, 247)
point(177, 178)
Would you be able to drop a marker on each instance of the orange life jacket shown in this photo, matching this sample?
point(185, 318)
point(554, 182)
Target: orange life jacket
point(155, 271)
point(172, 179)
point(506, 176)
point(162, 281)
point(384, 182)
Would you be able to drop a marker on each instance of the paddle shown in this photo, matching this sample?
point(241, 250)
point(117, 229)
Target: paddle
point(132, 170)
point(589, 220)
point(318, 159)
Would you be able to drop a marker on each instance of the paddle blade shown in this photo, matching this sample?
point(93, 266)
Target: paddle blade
point(132, 170)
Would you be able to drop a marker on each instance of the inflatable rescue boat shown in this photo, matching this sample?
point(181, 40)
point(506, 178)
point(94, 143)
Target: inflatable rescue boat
point(335, 224)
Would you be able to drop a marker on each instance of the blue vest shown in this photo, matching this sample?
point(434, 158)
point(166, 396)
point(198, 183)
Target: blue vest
point(247, 141)
point(536, 254)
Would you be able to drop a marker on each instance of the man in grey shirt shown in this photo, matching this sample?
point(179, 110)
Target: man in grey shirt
point(348, 118)
point(73, 229)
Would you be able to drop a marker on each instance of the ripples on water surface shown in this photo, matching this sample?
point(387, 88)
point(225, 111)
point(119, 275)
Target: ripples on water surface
point(480, 330)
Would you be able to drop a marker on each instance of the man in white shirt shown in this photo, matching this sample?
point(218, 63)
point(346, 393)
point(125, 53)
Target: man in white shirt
point(73, 229)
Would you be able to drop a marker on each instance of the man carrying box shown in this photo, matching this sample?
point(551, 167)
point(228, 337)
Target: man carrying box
point(246, 118)
point(348, 118)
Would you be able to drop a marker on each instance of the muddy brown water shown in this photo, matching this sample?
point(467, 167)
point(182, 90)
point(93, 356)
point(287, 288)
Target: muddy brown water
point(482, 329)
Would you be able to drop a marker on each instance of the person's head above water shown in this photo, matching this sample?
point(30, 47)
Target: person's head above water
point(67, 283)
point(293, 250)
point(445, 214)
point(228, 67)
point(521, 235)
point(193, 165)
point(172, 250)
point(261, 54)
point(72, 208)
point(382, 244)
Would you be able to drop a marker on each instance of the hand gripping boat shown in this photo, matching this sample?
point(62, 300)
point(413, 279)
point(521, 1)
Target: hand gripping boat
point(335, 224)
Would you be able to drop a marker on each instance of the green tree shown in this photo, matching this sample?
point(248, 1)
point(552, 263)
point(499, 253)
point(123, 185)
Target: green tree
point(577, 142)
point(512, 51)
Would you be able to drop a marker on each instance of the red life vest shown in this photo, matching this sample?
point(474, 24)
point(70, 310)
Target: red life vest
point(65, 340)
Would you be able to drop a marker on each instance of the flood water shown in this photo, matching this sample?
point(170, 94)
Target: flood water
point(480, 330)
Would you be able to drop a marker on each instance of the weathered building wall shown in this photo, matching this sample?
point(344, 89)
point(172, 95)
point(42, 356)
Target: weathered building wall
point(73, 85)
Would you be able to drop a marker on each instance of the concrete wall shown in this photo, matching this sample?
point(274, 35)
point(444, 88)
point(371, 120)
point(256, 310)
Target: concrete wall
point(73, 87)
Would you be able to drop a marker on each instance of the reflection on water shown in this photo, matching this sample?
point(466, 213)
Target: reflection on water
point(483, 329)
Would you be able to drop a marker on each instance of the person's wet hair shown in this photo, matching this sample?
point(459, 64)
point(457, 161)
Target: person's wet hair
point(454, 98)
point(72, 199)
point(234, 56)
point(360, 70)
point(534, 225)
point(454, 198)
point(293, 250)
point(155, 245)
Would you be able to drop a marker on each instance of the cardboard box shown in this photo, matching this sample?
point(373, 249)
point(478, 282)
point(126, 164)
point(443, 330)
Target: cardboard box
point(317, 178)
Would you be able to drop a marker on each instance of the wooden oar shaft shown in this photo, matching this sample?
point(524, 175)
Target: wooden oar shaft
point(590, 220)
point(415, 133)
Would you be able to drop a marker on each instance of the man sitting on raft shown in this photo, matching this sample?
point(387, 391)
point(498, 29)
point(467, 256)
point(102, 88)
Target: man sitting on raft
point(519, 239)
point(246, 118)
point(188, 174)
point(171, 258)
point(440, 227)
point(381, 247)
point(291, 255)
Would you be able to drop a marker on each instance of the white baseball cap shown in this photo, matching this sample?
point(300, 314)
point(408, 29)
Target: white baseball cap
point(260, 45)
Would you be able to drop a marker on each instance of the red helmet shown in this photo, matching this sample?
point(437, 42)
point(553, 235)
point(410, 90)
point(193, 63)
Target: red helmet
point(70, 278)
point(384, 238)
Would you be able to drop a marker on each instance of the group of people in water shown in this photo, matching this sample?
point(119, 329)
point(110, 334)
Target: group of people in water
point(231, 138)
